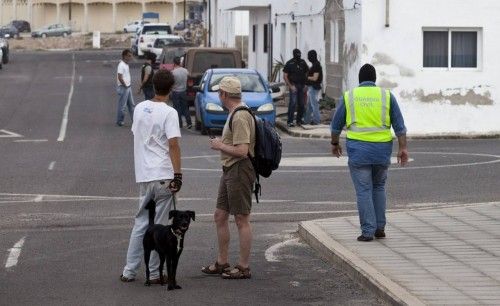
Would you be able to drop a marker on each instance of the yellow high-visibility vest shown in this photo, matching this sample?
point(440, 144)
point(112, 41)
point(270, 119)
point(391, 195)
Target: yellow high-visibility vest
point(368, 114)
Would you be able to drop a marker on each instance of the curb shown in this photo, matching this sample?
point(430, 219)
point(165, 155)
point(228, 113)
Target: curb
point(355, 267)
point(282, 126)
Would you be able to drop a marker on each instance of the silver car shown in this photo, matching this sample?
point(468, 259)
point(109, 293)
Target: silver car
point(52, 30)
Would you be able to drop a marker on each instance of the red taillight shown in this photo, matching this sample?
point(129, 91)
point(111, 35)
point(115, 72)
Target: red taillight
point(142, 39)
point(190, 82)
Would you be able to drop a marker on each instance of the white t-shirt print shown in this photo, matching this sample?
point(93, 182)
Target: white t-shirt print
point(154, 124)
point(124, 70)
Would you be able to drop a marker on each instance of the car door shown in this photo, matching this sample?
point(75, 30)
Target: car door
point(200, 95)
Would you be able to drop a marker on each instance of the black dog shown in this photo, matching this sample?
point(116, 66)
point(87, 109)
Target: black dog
point(168, 241)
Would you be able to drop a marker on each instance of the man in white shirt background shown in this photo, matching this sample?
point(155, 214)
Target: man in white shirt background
point(123, 82)
point(157, 160)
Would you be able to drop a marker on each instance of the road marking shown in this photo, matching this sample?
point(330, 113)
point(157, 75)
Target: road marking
point(51, 165)
point(31, 140)
point(15, 251)
point(8, 134)
point(64, 123)
point(271, 251)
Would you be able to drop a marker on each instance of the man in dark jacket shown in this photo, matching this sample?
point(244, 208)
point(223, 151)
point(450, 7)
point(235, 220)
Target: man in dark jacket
point(147, 74)
point(295, 74)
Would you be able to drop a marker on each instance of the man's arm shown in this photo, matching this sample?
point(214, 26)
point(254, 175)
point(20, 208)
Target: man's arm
point(239, 150)
point(287, 81)
point(175, 154)
point(403, 150)
point(314, 77)
point(399, 127)
point(120, 79)
point(338, 123)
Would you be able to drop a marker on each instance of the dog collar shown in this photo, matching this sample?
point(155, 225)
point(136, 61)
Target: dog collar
point(179, 238)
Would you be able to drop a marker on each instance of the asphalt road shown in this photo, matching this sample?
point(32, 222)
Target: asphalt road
point(68, 197)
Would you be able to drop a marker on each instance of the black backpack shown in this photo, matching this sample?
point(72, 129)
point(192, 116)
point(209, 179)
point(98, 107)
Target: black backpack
point(267, 148)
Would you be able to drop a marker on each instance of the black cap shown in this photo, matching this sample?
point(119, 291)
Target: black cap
point(367, 73)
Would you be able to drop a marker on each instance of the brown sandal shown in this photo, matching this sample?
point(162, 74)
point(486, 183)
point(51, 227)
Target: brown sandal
point(238, 272)
point(219, 269)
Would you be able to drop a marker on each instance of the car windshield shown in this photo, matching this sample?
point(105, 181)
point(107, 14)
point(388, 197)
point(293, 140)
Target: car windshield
point(162, 42)
point(250, 82)
point(160, 29)
point(207, 60)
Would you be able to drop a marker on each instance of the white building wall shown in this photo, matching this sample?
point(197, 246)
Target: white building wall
point(222, 24)
point(434, 101)
point(258, 59)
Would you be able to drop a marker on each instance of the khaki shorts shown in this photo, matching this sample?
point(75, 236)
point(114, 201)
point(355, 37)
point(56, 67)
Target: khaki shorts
point(235, 188)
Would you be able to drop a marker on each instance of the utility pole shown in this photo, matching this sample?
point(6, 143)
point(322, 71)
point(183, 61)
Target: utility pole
point(184, 14)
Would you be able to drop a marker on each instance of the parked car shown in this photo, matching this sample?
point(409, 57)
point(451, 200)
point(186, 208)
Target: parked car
point(180, 25)
point(21, 25)
point(199, 60)
point(149, 33)
point(163, 41)
point(52, 30)
point(133, 26)
point(166, 58)
point(256, 94)
point(4, 47)
point(9, 31)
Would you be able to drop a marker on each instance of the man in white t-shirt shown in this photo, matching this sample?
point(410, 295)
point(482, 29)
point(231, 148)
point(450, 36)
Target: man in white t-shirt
point(123, 82)
point(157, 159)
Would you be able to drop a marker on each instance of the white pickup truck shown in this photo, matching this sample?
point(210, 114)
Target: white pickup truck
point(149, 33)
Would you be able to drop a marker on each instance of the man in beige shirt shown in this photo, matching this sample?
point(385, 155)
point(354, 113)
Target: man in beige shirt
point(235, 187)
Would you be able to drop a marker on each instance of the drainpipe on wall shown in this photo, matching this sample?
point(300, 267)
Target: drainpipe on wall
point(386, 13)
point(269, 45)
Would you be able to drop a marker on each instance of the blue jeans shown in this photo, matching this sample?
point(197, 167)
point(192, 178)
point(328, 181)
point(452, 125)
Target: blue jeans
point(296, 101)
point(180, 104)
point(369, 182)
point(125, 100)
point(149, 93)
point(135, 254)
point(312, 106)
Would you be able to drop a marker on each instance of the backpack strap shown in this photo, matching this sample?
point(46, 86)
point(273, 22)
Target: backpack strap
point(257, 187)
point(237, 110)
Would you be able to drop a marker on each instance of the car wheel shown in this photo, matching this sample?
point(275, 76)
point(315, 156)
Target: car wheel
point(44, 35)
point(197, 124)
point(203, 129)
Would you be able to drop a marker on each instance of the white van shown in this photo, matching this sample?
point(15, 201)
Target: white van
point(149, 33)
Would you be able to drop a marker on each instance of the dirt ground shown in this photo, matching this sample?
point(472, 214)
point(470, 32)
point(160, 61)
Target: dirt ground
point(72, 42)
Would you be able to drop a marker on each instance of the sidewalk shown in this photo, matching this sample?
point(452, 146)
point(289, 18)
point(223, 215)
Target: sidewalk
point(438, 256)
point(305, 131)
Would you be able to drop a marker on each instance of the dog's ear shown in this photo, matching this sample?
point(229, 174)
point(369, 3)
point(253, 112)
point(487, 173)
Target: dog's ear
point(191, 214)
point(172, 214)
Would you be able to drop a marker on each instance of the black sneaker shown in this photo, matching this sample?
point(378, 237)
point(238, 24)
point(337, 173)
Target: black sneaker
point(189, 126)
point(379, 233)
point(291, 124)
point(364, 238)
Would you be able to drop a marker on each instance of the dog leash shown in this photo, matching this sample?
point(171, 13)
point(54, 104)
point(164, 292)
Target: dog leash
point(174, 200)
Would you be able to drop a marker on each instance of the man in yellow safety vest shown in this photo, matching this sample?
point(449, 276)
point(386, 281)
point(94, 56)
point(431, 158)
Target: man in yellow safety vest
point(368, 112)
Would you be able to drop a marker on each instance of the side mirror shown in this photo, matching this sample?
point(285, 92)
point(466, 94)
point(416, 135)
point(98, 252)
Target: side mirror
point(274, 89)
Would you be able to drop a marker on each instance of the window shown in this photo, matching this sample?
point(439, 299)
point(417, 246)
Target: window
point(451, 49)
point(266, 37)
point(254, 37)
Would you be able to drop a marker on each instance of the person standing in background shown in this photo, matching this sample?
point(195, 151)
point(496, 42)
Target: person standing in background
point(295, 75)
point(123, 82)
point(314, 81)
point(147, 73)
point(178, 95)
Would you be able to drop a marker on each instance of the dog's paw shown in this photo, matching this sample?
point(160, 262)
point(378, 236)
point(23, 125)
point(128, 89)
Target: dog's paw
point(178, 287)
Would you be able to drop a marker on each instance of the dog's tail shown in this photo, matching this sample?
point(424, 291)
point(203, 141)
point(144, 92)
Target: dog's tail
point(151, 206)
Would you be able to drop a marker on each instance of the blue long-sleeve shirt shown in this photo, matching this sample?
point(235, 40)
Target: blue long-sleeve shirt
point(363, 152)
